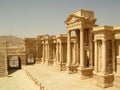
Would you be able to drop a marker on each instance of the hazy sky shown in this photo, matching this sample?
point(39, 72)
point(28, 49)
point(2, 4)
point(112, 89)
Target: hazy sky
point(29, 18)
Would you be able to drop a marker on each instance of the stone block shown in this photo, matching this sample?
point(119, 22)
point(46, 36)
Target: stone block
point(85, 73)
point(104, 81)
point(72, 69)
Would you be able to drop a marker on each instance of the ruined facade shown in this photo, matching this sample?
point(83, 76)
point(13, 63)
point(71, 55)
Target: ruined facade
point(87, 49)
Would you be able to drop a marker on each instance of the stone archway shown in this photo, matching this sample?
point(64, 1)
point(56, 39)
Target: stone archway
point(14, 62)
point(30, 58)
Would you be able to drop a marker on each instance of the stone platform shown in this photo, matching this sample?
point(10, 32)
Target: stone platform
point(52, 79)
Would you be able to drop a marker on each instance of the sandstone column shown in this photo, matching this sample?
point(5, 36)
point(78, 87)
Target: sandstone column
point(104, 56)
point(74, 53)
point(69, 49)
point(57, 53)
point(78, 47)
point(61, 55)
point(96, 57)
point(43, 52)
point(37, 48)
point(113, 54)
point(69, 52)
point(81, 48)
point(54, 52)
point(60, 52)
point(91, 48)
point(46, 52)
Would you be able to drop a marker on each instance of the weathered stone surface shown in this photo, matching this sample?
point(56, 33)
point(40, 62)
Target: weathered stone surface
point(104, 81)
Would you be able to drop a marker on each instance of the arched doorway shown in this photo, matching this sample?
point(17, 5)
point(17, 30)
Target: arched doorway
point(15, 62)
point(30, 58)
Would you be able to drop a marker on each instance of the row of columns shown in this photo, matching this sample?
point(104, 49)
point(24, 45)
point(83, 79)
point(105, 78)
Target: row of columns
point(60, 54)
point(80, 49)
point(76, 48)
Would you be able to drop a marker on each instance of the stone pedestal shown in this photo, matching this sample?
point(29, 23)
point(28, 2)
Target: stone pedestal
point(72, 69)
point(60, 66)
point(43, 60)
point(104, 81)
point(48, 62)
point(85, 73)
point(68, 69)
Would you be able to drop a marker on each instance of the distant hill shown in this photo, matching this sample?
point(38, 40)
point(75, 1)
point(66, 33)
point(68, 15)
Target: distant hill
point(12, 40)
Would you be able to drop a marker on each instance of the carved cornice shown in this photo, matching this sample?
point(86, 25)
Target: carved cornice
point(102, 28)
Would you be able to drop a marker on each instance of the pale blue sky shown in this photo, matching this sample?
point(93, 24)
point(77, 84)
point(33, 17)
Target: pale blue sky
point(29, 18)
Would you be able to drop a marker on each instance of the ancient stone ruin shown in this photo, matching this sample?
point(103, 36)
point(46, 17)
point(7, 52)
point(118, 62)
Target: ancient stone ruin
point(88, 49)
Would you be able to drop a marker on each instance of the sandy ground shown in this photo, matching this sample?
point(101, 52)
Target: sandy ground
point(16, 81)
point(48, 76)
point(53, 79)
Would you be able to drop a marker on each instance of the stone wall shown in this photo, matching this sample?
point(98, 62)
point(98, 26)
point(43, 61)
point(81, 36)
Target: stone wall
point(30, 49)
point(3, 60)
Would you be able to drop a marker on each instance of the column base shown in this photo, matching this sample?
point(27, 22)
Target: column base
point(85, 73)
point(48, 62)
point(71, 69)
point(54, 62)
point(42, 60)
point(60, 66)
point(104, 81)
point(38, 60)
